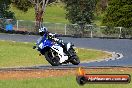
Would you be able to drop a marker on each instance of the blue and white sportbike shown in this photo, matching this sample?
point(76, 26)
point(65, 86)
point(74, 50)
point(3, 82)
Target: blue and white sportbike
point(55, 52)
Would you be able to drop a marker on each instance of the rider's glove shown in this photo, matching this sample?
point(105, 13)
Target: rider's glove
point(34, 47)
point(55, 39)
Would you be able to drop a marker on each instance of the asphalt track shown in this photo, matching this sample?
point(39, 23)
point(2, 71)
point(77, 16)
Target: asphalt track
point(123, 46)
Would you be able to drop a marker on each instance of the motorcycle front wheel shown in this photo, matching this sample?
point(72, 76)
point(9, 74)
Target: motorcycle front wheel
point(53, 60)
point(74, 59)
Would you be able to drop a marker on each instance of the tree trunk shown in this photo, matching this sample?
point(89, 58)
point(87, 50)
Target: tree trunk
point(39, 6)
point(39, 20)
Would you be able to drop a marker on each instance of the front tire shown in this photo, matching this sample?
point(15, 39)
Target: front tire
point(74, 59)
point(54, 61)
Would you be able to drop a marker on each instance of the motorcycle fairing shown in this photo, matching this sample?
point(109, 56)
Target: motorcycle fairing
point(63, 57)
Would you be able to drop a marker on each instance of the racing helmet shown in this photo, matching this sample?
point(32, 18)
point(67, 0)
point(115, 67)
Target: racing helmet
point(42, 31)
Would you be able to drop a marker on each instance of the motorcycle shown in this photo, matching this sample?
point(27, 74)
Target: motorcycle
point(57, 53)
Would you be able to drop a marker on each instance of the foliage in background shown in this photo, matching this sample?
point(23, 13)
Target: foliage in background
point(23, 5)
point(55, 13)
point(39, 9)
point(79, 10)
point(119, 13)
point(4, 9)
point(101, 6)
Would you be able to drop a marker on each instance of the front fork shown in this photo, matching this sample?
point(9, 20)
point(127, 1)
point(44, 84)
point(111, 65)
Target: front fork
point(70, 52)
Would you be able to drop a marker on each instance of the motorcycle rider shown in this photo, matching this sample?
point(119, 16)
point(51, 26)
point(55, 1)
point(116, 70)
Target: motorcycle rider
point(43, 31)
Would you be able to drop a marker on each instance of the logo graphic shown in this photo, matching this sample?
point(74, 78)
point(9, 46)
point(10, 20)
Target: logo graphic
point(83, 78)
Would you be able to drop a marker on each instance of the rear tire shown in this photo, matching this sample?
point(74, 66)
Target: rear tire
point(54, 61)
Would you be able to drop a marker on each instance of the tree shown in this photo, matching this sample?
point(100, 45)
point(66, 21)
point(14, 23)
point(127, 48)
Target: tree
point(101, 6)
point(4, 9)
point(79, 10)
point(119, 13)
point(22, 5)
point(39, 6)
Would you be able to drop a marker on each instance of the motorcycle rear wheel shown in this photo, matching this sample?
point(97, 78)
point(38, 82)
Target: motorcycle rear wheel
point(54, 61)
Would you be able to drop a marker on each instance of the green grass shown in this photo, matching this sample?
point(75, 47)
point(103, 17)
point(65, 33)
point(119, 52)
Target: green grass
point(18, 54)
point(91, 54)
point(21, 54)
point(57, 82)
point(98, 19)
point(54, 13)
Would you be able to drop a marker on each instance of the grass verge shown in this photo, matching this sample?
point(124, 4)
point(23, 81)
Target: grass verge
point(65, 81)
point(21, 54)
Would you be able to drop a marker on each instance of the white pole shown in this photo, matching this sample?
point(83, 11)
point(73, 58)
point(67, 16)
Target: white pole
point(120, 32)
point(65, 29)
point(54, 31)
point(91, 34)
point(17, 25)
point(91, 31)
point(101, 34)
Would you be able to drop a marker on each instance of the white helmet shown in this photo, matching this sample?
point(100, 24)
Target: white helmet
point(42, 29)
